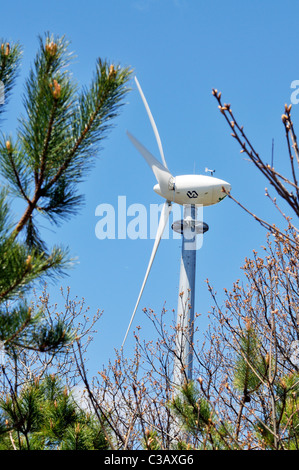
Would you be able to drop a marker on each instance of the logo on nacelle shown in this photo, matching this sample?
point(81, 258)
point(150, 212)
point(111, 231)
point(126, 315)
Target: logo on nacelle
point(192, 194)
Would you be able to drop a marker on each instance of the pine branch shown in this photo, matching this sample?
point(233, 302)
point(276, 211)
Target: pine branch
point(61, 136)
point(97, 107)
point(10, 57)
point(12, 168)
point(249, 367)
point(21, 266)
point(55, 145)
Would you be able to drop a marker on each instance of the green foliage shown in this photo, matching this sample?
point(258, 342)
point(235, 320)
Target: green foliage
point(191, 408)
point(62, 127)
point(10, 55)
point(250, 366)
point(22, 264)
point(287, 401)
point(151, 441)
point(58, 136)
point(199, 420)
point(20, 328)
point(45, 416)
point(42, 165)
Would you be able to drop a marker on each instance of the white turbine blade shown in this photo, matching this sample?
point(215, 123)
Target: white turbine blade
point(152, 122)
point(162, 223)
point(161, 173)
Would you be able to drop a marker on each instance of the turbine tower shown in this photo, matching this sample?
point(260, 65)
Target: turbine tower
point(190, 228)
point(189, 191)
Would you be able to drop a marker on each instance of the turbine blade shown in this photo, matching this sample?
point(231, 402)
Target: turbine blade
point(162, 223)
point(152, 122)
point(161, 173)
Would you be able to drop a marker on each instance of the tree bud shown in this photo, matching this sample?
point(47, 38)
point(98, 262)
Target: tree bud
point(5, 49)
point(112, 71)
point(28, 262)
point(51, 48)
point(56, 89)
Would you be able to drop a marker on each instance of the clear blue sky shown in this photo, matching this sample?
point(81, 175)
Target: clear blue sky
point(179, 50)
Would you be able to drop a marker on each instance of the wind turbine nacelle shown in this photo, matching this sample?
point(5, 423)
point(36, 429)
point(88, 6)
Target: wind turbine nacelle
point(194, 189)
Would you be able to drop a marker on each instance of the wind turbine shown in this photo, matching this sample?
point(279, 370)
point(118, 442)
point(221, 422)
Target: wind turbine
point(187, 190)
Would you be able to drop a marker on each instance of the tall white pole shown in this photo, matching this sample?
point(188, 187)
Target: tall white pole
point(189, 227)
point(185, 314)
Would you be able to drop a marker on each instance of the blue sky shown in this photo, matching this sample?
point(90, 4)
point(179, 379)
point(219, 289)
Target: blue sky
point(179, 50)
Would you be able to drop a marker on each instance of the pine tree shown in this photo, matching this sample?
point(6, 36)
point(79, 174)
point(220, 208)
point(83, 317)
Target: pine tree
point(249, 367)
point(204, 430)
point(45, 416)
point(42, 165)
